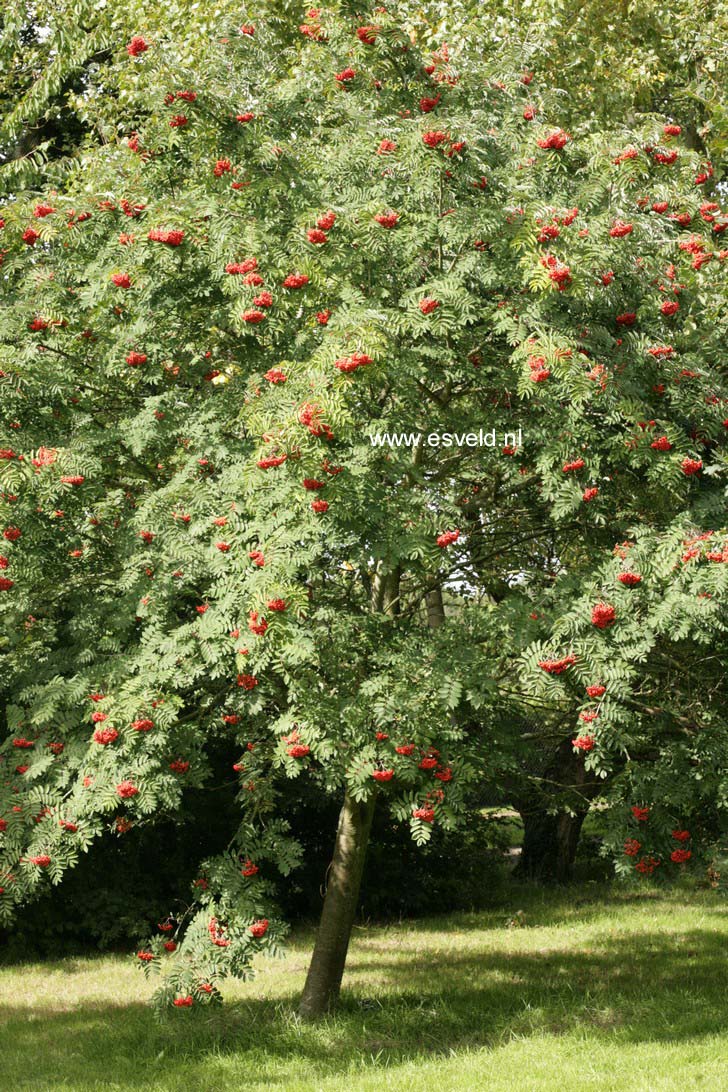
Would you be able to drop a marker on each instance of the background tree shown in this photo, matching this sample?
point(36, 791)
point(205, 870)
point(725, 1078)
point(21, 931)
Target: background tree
point(611, 62)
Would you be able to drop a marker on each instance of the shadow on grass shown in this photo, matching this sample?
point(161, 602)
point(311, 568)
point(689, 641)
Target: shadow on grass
point(656, 986)
point(559, 906)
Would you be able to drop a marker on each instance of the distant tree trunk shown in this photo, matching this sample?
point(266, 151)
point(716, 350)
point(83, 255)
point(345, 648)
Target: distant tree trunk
point(549, 846)
point(553, 815)
point(326, 969)
point(435, 608)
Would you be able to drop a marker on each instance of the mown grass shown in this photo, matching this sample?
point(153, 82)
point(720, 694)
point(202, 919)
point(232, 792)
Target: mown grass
point(586, 989)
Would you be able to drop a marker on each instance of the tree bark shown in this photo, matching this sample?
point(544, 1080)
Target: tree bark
point(435, 608)
point(323, 982)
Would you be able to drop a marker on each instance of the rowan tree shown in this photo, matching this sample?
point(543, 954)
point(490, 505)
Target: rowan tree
point(285, 236)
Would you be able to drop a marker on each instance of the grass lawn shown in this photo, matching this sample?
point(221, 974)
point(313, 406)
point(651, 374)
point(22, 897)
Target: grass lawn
point(596, 989)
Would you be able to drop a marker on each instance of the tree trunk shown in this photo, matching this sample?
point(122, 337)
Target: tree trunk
point(435, 608)
point(326, 970)
point(553, 811)
point(549, 845)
